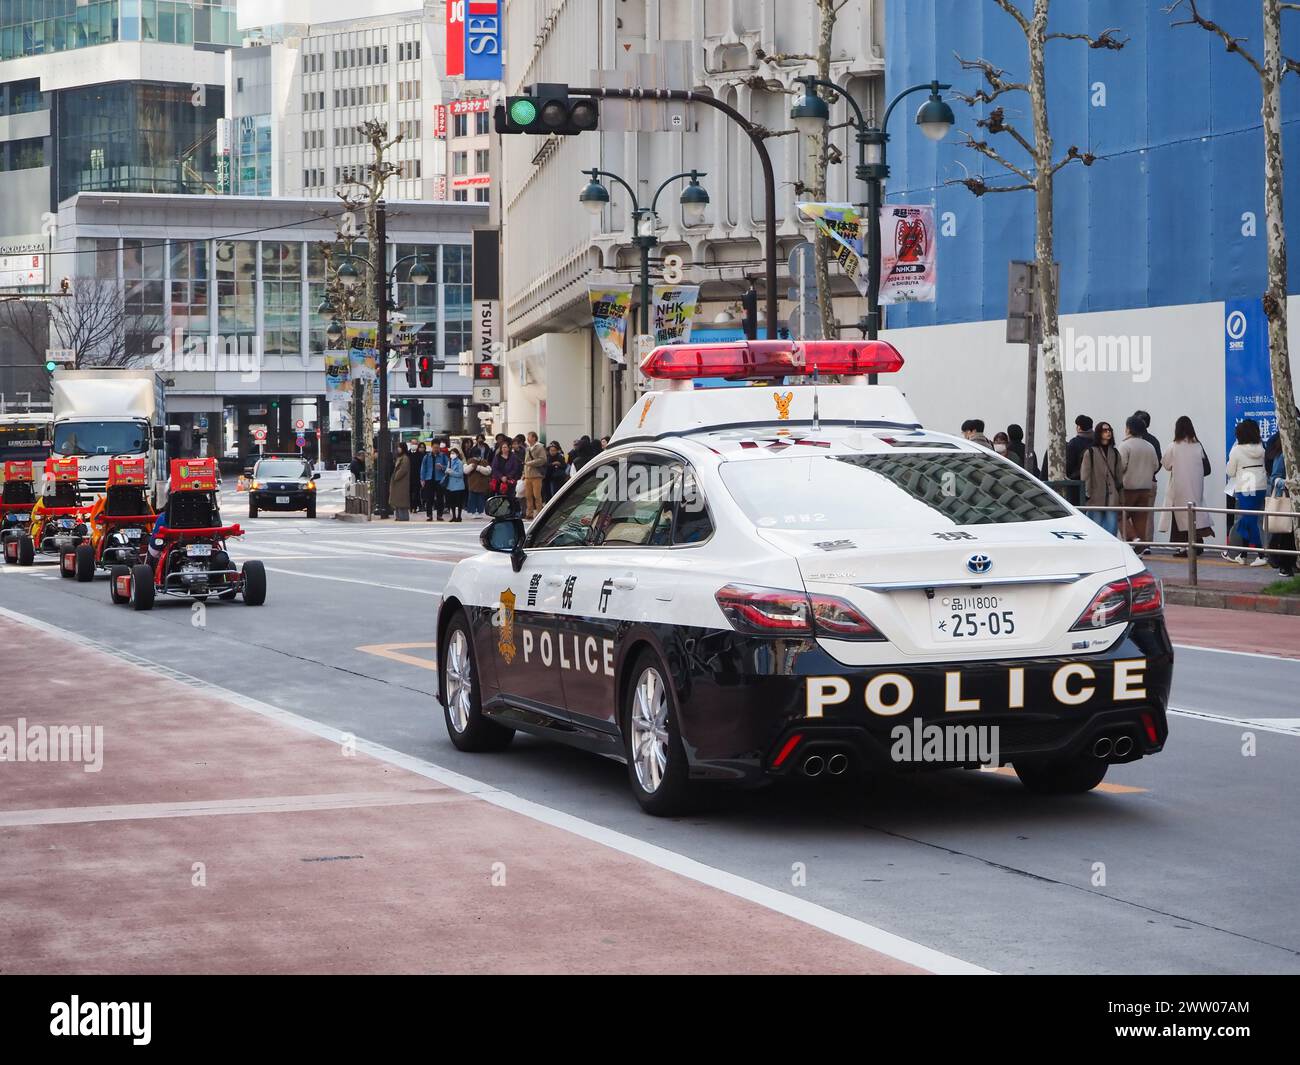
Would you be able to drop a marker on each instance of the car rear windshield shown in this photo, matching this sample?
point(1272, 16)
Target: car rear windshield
point(887, 491)
point(282, 470)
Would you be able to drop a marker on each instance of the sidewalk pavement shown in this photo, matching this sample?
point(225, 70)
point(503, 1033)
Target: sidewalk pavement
point(214, 839)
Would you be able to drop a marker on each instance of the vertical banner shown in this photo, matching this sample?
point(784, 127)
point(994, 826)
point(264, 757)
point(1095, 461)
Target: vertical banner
point(440, 121)
point(455, 25)
point(847, 230)
point(483, 40)
point(1247, 378)
point(363, 349)
point(674, 310)
point(609, 307)
point(907, 254)
point(338, 377)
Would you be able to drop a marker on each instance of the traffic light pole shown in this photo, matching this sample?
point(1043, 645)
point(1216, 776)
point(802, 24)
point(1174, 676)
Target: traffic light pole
point(756, 137)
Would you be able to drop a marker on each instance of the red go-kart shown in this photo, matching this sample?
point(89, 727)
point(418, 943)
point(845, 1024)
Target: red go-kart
point(120, 522)
point(187, 556)
point(17, 498)
point(58, 524)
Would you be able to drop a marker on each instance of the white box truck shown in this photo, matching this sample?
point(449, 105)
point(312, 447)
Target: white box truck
point(106, 412)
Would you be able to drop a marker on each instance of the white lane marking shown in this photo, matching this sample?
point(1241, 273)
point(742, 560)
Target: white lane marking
point(1244, 654)
point(1283, 726)
point(354, 580)
point(847, 928)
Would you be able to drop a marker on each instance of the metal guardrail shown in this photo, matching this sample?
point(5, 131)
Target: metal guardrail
point(1194, 547)
point(357, 499)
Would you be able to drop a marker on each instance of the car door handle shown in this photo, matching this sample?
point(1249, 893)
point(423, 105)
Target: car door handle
point(625, 582)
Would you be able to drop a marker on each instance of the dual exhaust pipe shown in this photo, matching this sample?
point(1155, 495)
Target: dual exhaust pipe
point(1108, 748)
point(835, 765)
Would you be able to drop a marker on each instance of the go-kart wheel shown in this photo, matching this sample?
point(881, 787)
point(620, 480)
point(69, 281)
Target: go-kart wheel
point(142, 592)
point(84, 570)
point(119, 584)
point(67, 564)
point(26, 551)
point(254, 583)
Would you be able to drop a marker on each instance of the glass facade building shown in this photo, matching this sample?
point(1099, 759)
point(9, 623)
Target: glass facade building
point(136, 137)
point(39, 27)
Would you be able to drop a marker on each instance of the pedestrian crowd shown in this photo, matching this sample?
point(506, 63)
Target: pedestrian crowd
point(449, 478)
point(1103, 470)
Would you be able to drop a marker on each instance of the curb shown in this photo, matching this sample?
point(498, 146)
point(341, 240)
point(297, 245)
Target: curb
point(341, 516)
point(1184, 595)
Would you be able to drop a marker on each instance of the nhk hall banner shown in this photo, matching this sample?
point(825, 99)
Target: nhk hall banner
point(609, 307)
point(674, 310)
point(338, 377)
point(907, 254)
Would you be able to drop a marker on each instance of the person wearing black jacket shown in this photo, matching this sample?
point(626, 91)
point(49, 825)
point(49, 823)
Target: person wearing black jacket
point(1075, 449)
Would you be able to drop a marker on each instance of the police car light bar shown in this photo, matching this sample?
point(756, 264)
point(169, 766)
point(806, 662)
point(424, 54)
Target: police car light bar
point(761, 359)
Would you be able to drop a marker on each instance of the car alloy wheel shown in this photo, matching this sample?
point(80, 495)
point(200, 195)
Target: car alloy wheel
point(460, 680)
point(650, 740)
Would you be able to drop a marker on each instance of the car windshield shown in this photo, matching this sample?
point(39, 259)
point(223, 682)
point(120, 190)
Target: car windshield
point(901, 490)
point(19, 442)
point(100, 438)
point(282, 470)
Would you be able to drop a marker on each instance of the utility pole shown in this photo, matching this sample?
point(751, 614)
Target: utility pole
point(380, 254)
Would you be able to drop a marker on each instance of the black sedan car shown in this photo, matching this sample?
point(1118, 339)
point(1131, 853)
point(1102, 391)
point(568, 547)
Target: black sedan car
point(282, 482)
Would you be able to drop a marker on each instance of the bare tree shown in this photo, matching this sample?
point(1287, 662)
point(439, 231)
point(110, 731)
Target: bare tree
point(1271, 70)
point(361, 196)
point(92, 322)
point(821, 153)
point(1037, 174)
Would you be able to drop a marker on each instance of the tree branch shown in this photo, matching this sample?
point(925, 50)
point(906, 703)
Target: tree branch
point(979, 187)
point(996, 78)
point(1086, 158)
point(983, 148)
point(995, 122)
point(1231, 43)
point(1016, 14)
point(776, 58)
point(1107, 39)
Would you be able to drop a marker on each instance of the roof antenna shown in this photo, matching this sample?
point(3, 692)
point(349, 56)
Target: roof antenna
point(817, 419)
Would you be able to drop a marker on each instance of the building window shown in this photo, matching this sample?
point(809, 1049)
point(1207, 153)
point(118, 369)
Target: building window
point(282, 297)
point(482, 195)
point(457, 305)
point(460, 195)
point(481, 123)
point(236, 275)
point(460, 163)
point(481, 161)
point(188, 302)
point(459, 125)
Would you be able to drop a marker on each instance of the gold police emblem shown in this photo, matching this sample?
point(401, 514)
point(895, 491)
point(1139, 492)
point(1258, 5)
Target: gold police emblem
point(506, 629)
point(783, 404)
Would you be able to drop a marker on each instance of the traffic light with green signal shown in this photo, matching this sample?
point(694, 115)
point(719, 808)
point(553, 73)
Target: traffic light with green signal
point(545, 109)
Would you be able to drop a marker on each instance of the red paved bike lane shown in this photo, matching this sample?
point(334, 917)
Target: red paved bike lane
point(215, 840)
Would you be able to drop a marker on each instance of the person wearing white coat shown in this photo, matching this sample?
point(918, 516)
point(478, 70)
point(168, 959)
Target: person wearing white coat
point(1248, 482)
point(1185, 459)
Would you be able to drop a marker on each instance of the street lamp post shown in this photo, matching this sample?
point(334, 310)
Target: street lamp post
point(694, 200)
point(810, 115)
point(350, 277)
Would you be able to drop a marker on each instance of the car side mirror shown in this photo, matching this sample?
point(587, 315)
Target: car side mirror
point(315, 476)
point(505, 536)
point(499, 507)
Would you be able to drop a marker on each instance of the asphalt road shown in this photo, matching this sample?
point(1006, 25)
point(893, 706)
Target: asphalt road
point(1199, 846)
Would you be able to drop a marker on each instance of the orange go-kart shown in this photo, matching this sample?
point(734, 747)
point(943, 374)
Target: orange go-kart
point(120, 522)
point(57, 523)
point(187, 554)
point(17, 498)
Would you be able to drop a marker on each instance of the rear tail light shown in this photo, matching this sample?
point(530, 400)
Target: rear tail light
point(1133, 597)
point(772, 612)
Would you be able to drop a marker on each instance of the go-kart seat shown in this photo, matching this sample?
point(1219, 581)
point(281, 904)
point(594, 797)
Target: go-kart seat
point(63, 496)
point(192, 510)
point(125, 501)
point(18, 492)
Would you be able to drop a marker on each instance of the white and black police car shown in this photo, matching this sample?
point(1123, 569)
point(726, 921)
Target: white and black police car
point(799, 578)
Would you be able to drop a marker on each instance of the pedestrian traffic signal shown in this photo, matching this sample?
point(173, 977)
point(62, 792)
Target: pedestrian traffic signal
point(410, 371)
point(426, 371)
point(546, 109)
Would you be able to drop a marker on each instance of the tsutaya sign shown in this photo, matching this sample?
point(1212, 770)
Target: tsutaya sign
point(487, 347)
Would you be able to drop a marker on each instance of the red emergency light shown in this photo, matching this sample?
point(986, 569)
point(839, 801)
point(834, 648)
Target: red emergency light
point(761, 359)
